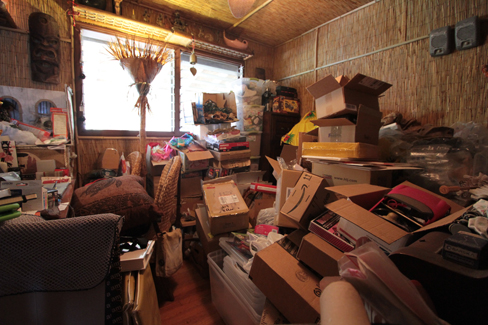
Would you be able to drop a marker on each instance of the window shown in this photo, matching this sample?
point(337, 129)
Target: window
point(109, 98)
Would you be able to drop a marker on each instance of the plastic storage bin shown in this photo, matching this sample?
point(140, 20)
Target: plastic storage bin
point(253, 296)
point(250, 117)
point(254, 139)
point(227, 299)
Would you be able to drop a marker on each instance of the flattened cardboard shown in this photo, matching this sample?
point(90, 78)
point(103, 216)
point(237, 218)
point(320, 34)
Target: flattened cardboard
point(340, 129)
point(318, 254)
point(335, 97)
point(292, 288)
point(307, 199)
point(226, 208)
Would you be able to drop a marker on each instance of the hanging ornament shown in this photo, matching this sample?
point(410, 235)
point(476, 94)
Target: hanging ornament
point(193, 57)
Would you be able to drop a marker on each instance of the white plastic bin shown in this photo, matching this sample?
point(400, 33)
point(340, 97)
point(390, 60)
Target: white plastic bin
point(254, 139)
point(226, 298)
point(250, 117)
point(254, 297)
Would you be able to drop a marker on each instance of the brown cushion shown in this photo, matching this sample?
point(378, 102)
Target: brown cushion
point(124, 195)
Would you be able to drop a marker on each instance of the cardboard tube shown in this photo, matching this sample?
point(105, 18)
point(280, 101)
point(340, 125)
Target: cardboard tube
point(340, 304)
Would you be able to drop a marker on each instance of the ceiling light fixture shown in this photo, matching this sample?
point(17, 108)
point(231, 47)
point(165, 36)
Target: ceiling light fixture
point(239, 8)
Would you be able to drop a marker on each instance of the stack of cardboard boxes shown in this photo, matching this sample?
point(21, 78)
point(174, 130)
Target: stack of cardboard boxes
point(348, 123)
point(289, 271)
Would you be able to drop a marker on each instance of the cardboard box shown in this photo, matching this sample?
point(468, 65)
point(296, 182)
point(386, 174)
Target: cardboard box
point(191, 186)
point(338, 173)
point(339, 150)
point(226, 208)
point(28, 187)
point(356, 221)
point(307, 199)
point(210, 243)
point(363, 128)
point(231, 163)
point(287, 180)
point(194, 160)
point(318, 254)
point(339, 96)
point(215, 108)
point(290, 286)
point(231, 155)
point(342, 174)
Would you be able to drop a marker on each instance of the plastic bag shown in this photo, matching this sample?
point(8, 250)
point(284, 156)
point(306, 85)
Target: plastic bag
point(169, 252)
point(305, 125)
point(384, 287)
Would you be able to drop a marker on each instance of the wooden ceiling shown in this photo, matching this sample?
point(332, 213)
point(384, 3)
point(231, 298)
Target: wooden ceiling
point(274, 21)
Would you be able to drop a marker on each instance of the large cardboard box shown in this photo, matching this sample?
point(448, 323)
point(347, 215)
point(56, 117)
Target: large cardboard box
point(339, 150)
point(226, 208)
point(307, 199)
point(287, 180)
point(338, 96)
point(210, 243)
point(318, 254)
point(363, 128)
point(356, 222)
point(344, 174)
point(290, 286)
point(339, 173)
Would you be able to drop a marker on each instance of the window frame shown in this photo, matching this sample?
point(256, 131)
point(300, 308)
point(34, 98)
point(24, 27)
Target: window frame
point(78, 70)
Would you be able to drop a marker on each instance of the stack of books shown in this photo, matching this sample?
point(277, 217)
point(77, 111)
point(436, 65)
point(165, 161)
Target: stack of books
point(10, 205)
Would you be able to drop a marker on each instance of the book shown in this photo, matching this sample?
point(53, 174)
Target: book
point(18, 199)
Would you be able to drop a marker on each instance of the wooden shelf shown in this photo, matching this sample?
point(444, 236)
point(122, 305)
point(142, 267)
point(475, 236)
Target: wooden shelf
point(122, 24)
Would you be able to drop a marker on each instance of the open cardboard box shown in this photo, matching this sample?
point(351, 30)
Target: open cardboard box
point(307, 199)
point(338, 96)
point(340, 129)
point(194, 160)
point(356, 220)
point(286, 182)
point(290, 286)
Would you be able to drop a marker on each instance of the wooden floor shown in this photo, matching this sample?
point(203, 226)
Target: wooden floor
point(192, 299)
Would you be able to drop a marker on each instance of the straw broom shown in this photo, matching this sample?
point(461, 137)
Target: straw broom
point(143, 64)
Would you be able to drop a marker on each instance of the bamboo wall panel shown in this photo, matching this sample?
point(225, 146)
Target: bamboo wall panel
point(295, 56)
point(438, 91)
point(89, 150)
point(262, 58)
point(15, 58)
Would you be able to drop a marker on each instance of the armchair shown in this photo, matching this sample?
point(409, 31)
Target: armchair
point(63, 271)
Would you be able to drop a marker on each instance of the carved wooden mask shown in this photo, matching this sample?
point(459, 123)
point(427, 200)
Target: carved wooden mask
point(44, 48)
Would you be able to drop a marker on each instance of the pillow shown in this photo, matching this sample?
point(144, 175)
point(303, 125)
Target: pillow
point(124, 196)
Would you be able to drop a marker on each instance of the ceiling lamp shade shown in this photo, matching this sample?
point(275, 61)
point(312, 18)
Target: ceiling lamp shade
point(240, 8)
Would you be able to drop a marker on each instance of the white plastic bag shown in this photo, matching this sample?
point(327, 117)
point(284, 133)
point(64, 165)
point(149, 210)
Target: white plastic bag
point(169, 252)
point(384, 287)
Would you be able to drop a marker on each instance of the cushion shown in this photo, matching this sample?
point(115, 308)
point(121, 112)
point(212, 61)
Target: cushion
point(124, 196)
